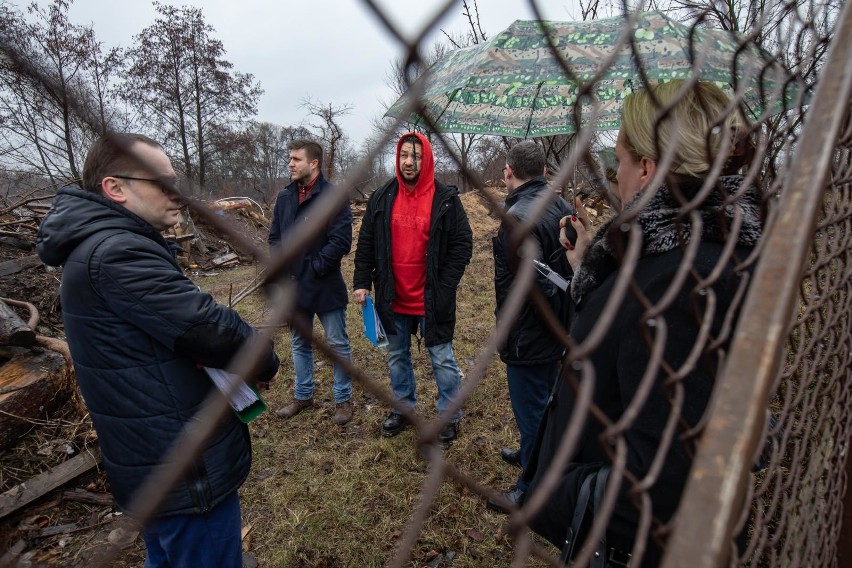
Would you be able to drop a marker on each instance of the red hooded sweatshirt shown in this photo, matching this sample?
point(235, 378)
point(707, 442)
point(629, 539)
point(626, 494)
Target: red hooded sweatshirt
point(410, 220)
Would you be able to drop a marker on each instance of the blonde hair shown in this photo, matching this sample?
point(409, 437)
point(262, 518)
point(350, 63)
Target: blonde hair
point(700, 118)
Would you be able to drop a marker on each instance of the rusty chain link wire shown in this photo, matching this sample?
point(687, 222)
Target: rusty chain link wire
point(782, 385)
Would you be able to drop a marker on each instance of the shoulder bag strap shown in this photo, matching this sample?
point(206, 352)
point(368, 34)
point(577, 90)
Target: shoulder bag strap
point(599, 560)
point(577, 521)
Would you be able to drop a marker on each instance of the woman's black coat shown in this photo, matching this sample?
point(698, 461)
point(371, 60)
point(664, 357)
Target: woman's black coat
point(679, 390)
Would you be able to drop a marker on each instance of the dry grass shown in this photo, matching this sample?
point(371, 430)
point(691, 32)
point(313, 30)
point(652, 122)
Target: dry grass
point(321, 495)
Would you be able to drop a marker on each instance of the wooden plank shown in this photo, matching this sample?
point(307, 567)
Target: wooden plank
point(225, 258)
point(41, 484)
point(17, 265)
point(180, 238)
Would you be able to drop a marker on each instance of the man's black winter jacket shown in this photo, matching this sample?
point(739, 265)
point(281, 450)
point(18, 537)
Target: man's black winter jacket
point(138, 330)
point(530, 341)
point(448, 252)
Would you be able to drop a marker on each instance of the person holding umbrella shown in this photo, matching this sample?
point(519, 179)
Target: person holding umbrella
point(653, 369)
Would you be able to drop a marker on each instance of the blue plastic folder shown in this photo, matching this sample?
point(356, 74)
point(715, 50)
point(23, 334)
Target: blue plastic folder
point(373, 328)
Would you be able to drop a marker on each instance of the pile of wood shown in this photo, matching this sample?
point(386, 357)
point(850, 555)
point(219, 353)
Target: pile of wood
point(35, 372)
point(206, 248)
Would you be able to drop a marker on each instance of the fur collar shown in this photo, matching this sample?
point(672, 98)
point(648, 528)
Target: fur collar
point(662, 231)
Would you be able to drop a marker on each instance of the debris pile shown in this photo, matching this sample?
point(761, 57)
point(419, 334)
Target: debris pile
point(205, 248)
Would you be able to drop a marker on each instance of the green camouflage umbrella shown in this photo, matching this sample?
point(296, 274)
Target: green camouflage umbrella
point(512, 85)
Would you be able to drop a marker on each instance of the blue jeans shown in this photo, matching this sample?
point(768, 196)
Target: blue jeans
point(447, 375)
point(334, 324)
point(208, 540)
point(529, 391)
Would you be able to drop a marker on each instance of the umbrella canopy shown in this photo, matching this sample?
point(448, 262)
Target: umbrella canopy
point(512, 85)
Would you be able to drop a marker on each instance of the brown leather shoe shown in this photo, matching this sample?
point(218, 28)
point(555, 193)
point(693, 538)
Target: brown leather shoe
point(294, 408)
point(342, 412)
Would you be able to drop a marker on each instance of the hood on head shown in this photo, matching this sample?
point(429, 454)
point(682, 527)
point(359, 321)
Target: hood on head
point(427, 170)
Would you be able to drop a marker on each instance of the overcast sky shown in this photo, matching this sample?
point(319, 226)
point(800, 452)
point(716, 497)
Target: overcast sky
point(333, 51)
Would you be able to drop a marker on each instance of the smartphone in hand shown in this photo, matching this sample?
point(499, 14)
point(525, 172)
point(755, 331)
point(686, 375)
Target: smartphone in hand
point(567, 233)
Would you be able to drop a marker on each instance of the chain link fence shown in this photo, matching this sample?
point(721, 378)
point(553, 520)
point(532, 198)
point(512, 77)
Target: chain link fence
point(767, 436)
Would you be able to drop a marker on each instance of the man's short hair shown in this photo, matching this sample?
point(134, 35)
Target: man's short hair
point(526, 160)
point(110, 156)
point(312, 150)
point(413, 140)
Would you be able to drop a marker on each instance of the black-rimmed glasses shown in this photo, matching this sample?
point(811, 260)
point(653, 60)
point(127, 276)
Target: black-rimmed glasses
point(164, 186)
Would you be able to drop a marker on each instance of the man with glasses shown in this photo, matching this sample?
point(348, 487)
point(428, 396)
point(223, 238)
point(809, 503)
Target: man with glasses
point(140, 333)
point(322, 290)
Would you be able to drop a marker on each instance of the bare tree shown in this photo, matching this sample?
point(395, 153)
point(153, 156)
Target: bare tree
point(101, 68)
point(329, 130)
point(38, 128)
point(178, 74)
point(795, 33)
point(464, 143)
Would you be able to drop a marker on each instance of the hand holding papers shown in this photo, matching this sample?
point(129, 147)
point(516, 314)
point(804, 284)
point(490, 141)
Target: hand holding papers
point(373, 328)
point(245, 400)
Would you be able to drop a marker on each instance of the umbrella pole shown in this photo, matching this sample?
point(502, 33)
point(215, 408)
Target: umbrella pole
point(449, 102)
point(532, 109)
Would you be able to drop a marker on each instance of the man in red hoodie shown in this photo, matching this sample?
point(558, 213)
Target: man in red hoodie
point(414, 244)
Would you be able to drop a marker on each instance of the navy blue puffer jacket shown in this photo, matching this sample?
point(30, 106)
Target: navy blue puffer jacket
point(138, 329)
point(317, 267)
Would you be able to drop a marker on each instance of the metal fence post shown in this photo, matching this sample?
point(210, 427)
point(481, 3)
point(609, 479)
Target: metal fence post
point(714, 497)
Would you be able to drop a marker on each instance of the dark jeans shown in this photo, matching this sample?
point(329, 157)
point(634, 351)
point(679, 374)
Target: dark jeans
point(529, 391)
point(210, 540)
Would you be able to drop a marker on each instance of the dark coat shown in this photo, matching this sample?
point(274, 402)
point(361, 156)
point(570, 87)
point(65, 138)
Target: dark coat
point(530, 341)
point(621, 358)
point(317, 268)
point(138, 329)
point(448, 252)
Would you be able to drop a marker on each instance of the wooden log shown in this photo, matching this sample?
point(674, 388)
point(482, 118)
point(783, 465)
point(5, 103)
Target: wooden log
point(59, 346)
point(83, 496)
point(41, 484)
point(262, 221)
point(14, 330)
point(230, 204)
point(32, 383)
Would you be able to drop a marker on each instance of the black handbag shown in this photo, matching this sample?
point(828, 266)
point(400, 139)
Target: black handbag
point(588, 503)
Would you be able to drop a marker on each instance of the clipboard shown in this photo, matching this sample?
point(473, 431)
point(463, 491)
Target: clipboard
point(373, 328)
point(551, 275)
